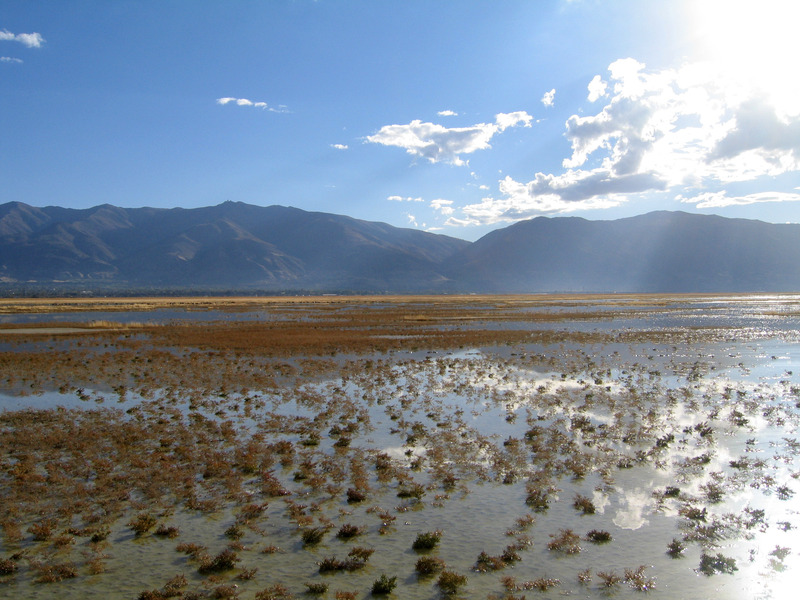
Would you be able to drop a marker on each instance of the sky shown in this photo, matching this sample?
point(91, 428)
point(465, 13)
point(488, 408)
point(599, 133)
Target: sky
point(455, 117)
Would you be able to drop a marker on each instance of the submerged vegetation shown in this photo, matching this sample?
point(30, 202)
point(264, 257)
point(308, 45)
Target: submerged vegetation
point(343, 447)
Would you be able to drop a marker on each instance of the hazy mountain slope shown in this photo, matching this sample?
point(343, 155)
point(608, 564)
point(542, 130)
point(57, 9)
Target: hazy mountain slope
point(241, 246)
point(660, 251)
point(232, 244)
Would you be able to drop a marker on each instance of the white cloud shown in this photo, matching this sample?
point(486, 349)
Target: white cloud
point(663, 130)
point(447, 113)
point(721, 199)
point(246, 102)
point(412, 220)
point(9, 59)
point(443, 206)
point(404, 199)
point(31, 40)
point(550, 194)
point(549, 97)
point(339, 146)
point(512, 119)
point(441, 144)
point(597, 88)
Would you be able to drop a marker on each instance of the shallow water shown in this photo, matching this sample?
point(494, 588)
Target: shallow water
point(722, 401)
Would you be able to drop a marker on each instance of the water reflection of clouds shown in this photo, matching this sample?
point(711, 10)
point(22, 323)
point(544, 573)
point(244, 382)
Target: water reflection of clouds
point(600, 501)
point(635, 504)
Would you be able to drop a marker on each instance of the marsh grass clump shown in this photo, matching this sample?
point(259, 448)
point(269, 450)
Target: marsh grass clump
point(415, 490)
point(429, 565)
point(694, 513)
point(251, 511)
point(450, 582)
point(427, 540)
point(713, 491)
point(316, 588)
point(361, 553)
point(710, 565)
point(42, 531)
point(638, 581)
point(566, 541)
point(356, 495)
point(542, 584)
point(538, 499)
point(8, 567)
point(142, 523)
point(357, 559)
point(780, 552)
point(53, 573)
point(526, 522)
point(167, 531)
point(311, 441)
point(277, 591)
point(99, 535)
point(247, 574)
point(330, 564)
point(486, 563)
point(608, 579)
point(584, 504)
point(175, 586)
point(384, 585)
point(63, 540)
point(598, 536)
point(225, 591)
point(348, 531)
point(196, 551)
point(313, 535)
point(234, 532)
point(675, 548)
point(224, 561)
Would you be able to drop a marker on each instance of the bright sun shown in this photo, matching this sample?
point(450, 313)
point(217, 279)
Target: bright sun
point(752, 42)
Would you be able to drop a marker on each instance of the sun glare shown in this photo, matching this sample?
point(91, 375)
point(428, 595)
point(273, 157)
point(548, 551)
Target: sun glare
point(753, 43)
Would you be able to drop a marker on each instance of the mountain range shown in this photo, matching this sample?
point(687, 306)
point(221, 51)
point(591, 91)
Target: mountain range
point(277, 249)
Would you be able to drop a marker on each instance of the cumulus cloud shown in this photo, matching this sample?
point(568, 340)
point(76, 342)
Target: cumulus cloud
point(437, 143)
point(246, 102)
point(31, 40)
point(404, 199)
point(10, 59)
point(721, 199)
point(549, 97)
point(339, 146)
point(443, 206)
point(549, 194)
point(660, 130)
point(597, 88)
point(447, 113)
point(759, 127)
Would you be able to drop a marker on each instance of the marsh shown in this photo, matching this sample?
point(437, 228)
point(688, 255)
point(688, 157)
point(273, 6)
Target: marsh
point(548, 444)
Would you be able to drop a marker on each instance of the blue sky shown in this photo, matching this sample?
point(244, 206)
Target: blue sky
point(455, 117)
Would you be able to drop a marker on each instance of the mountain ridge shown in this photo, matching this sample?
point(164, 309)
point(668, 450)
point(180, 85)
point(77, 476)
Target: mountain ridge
point(279, 249)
